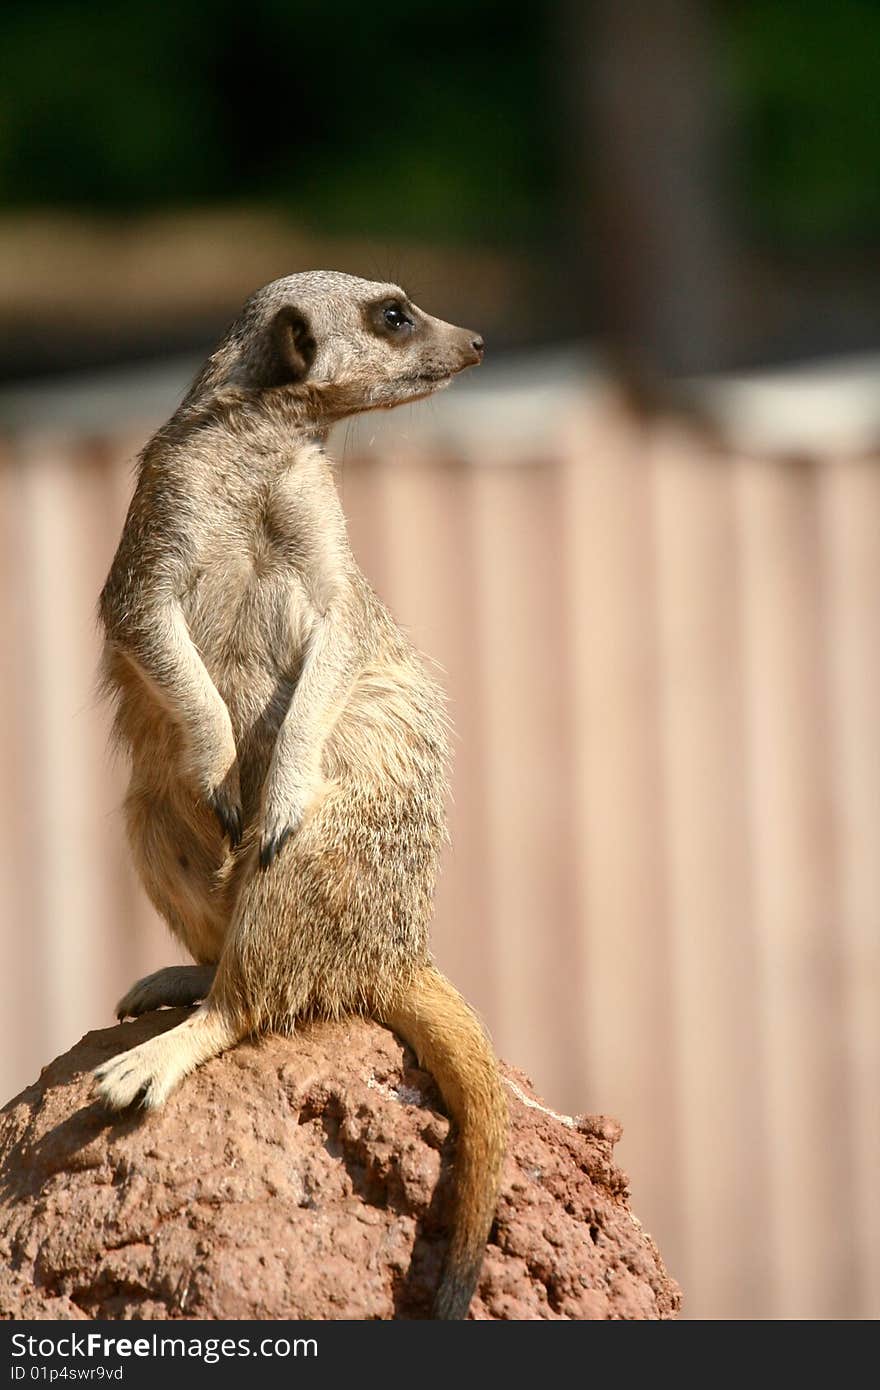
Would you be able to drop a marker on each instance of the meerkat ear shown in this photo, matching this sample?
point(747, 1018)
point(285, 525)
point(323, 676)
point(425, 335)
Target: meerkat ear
point(292, 348)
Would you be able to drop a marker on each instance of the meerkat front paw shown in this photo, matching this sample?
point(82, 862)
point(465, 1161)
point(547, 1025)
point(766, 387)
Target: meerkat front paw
point(173, 986)
point(277, 830)
point(212, 761)
point(225, 801)
point(285, 808)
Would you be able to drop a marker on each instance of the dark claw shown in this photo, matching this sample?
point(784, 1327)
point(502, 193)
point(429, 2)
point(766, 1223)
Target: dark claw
point(270, 849)
point(229, 818)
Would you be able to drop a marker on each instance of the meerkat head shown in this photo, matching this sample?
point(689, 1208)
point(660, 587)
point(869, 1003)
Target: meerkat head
point(340, 344)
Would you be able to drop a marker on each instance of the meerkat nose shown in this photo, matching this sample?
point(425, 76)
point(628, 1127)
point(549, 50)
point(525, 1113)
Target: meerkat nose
point(477, 345)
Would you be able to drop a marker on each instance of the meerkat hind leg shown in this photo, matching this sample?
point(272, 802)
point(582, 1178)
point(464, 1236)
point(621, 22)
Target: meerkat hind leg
point(150, 1071)
point(174, 985)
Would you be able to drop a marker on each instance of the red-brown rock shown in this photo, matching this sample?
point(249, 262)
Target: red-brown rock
point(300, 1178)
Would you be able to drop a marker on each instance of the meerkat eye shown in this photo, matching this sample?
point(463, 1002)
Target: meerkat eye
point(391, 319)
point(395, 317)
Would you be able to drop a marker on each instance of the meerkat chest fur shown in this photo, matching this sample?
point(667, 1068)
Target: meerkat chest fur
point(270, 556)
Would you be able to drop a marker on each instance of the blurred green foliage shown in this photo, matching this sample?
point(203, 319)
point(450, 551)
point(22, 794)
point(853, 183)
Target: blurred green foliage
point(379, 116)
point(398, 117)
point(805, 77)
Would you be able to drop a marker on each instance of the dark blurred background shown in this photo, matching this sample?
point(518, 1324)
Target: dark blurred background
point(695, 180)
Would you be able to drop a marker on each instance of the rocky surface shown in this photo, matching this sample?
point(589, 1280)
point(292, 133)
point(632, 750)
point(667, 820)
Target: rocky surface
point(300, 1178)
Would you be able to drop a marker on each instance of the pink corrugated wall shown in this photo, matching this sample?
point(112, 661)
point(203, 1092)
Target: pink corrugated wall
point(663, 891)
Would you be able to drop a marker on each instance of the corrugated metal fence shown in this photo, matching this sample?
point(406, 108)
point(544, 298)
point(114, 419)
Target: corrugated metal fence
point(664, 886)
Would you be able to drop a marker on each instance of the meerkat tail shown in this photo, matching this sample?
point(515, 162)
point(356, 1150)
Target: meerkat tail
point(449, 1041)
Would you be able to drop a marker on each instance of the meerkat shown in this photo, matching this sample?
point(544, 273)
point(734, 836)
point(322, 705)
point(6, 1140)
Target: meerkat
point(288, 751)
